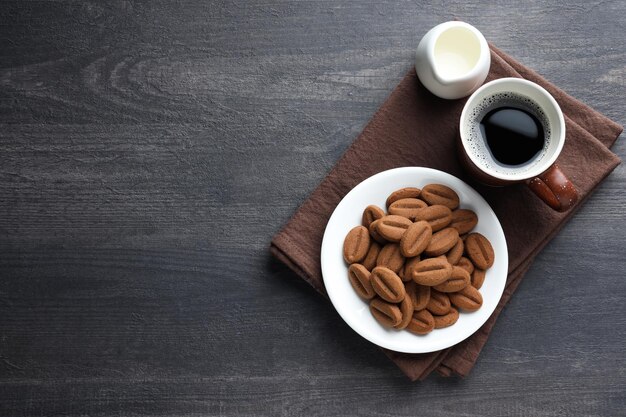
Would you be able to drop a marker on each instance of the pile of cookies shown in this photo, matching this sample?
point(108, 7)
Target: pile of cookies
point(418, 264)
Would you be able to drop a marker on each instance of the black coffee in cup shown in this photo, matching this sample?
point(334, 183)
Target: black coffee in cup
point(508, 131)
point(513, 135)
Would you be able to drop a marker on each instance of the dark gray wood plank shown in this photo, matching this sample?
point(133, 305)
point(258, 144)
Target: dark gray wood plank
point(149, 151)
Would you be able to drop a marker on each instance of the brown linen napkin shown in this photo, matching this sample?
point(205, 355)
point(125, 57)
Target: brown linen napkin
point(415, 128)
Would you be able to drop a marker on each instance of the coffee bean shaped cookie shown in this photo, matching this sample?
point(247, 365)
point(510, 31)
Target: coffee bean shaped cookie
point(466, 264)
point(372, 254)
point(373, 229)
point(447, 319)
point(360, 280)
point(406, 308)
point(437, 216)
point(458, 280)
point(409, 266)
point(356, 245)
point(409, 192)
point(422, 322)
point(390, 257)
point(442, 242)
point(479, 250)
point(419, 294)
point(407, 207)
point(439, 303)
point(387, 314)
point(468, 299)
point(440, 194)
point(370, 214)
point(387, 284)
point(401, 273)
point(416, 239)
point(392, 227)
point(478, 278)
point(454, 255)
point(463, 220)
point(431, 272)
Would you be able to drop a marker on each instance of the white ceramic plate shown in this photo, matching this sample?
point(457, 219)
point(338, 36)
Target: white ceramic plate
point(355, 311)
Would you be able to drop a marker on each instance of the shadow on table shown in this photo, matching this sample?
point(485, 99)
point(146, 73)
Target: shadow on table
point(347, 347)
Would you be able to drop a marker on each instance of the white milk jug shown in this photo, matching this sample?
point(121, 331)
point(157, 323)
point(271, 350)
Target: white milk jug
point(452, 60)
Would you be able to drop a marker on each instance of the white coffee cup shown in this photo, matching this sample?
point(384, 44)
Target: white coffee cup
point(540, 173)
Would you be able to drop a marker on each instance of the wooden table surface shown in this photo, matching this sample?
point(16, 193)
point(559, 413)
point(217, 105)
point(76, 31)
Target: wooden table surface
point(149, 150)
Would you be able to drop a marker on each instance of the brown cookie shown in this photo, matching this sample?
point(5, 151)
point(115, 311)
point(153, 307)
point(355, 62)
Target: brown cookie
point(419, 294)
point(447, 319)
point(409, 192)
point(406, 207)
point(458, 280)
point(442, 242)
point(390, 257)
point(373, 229)
point(409, 266)
point(454, 255)
point(401, 273)
point(432, 271)
point(360, 279)
point(479, 250)
point(387, 284)
point(416, 239)
point(478, 278)
point(372, 254)
point(387, 314)
point(437, 216)
point(463, 220)
point(406, 308)
point(370, 214)
point(422, 322)
point(356, 245)
point(440, 194)
point(392, 227)
point(439, 303)
point(466, 264)
point(468, 299)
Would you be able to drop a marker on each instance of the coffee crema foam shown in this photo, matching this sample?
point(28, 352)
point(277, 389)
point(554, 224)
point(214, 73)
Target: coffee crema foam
point(477, 145)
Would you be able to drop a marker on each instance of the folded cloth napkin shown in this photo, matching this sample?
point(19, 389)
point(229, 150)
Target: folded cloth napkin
point(415, 128)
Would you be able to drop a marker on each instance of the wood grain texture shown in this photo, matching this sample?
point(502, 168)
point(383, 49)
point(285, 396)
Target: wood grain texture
point(150, 149)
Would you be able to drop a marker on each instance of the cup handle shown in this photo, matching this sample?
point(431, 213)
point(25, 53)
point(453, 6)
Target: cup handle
point(554, 188)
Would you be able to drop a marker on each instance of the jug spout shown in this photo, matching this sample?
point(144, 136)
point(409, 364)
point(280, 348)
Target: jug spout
point(453, 60)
